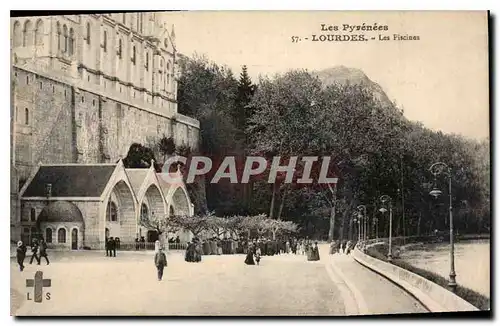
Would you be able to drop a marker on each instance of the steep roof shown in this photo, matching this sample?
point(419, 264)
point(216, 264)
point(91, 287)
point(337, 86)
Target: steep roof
point(70, 180)
point(136, 178)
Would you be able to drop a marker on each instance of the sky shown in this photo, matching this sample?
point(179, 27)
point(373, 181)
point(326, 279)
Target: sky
point(440, 79)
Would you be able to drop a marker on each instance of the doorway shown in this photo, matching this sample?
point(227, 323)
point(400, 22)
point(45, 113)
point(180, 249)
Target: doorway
point(74, 239)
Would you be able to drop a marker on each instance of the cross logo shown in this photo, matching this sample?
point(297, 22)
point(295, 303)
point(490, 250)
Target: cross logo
point(38, 283)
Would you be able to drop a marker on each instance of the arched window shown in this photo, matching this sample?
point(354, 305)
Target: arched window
point(144, 212)
point(172, 212)
point(61, 235)
point(88, 33)
point(28, 33)
point(65, 34)
point(71, 41)
point(39, 32)
point(48, 235)
point(59, 40)
point(33, 215)
point(26, 116)
point(119, 48)
point(133, 55)
point(105, 41)
point(147, 61)
point(111, 212)
point(18, 35)
point(124, 18)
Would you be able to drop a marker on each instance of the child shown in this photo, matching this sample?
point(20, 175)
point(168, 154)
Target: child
point(257, 255)
point(160, 262)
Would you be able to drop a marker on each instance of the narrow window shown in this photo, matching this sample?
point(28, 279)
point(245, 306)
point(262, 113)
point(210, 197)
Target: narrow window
point(133, 55)
point(33, 215)
point(88, 33)
point(147, 61)
point(65, 34)
point(105, 41)
point(119, 48)
point(26, 116)
point(61, 235)
point(58, 36)
point(71, 41)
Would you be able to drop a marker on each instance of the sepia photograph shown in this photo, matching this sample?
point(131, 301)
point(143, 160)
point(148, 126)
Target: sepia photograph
point(250, 163)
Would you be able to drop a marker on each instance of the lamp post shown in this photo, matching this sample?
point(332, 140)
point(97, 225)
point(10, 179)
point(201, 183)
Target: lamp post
point(438, 169)
point(384, 199)
point(357, 220)
point(362, 208)
point(375, 227)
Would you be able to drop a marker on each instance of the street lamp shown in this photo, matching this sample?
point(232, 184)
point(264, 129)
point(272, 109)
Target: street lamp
point(375, 227)
point(384, 199)
point(438, 169)
point(357, 220)
point(362, 208)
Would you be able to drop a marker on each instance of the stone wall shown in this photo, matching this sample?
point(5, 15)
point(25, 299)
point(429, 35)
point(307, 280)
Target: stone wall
point(434, 297)
point(70, 125)
point(43, 121)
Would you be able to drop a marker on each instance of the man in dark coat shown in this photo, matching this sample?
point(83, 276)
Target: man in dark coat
point(43, 251)
point(34, 252)
point(160, 262)
point(107, 244)
point(113, 246)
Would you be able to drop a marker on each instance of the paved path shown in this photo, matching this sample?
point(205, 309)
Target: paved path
point(90, 284)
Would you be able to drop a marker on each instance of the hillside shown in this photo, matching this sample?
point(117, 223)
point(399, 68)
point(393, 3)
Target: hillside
point(344, 75)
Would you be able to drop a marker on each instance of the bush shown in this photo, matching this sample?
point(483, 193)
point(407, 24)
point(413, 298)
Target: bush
point(476, 299)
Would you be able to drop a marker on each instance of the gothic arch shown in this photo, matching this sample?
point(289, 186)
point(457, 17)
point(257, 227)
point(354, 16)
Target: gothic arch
point(123, 197)
point(71, 42)
point(17, 34)
point(155, 201)
point(28, 33)
point(179, 199)
point(39, 32)
point(65, 38)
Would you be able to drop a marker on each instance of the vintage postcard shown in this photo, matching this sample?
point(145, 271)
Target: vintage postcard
point(234, 163)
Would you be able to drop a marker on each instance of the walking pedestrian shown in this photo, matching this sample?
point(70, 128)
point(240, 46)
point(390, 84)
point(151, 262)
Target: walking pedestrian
point(108, 247)
point(257, 255)
point(160, 262)
point(34, 252)
point(43, 251)
point(113, 246)
point(20, 254)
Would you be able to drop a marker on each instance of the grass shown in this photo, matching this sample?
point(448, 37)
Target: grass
point(476, 299)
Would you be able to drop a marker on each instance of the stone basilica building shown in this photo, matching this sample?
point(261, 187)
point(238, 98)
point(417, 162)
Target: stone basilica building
point(84, 88)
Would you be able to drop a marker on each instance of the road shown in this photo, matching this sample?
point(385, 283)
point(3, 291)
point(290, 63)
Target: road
point(87, 283)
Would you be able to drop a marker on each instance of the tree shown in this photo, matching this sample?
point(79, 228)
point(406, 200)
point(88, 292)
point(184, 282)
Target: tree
point(140, 157)
point(166, 146)
point(161, 224)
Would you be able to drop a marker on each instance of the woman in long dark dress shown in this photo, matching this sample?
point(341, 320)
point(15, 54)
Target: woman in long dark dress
point(190, 253)
point(249, 259)
point(315, 252)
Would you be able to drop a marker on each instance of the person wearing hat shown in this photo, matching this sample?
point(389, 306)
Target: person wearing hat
point(160, 262)
point(20, 254)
